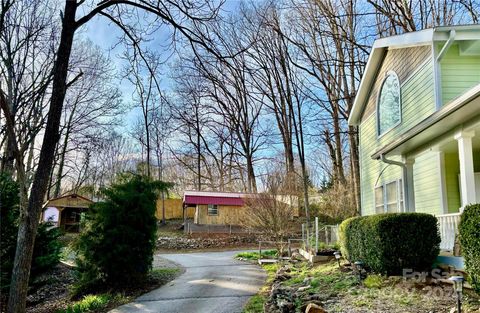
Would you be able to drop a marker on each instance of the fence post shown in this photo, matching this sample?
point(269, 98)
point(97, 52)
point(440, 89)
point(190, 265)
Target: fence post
point(326, 236)
point(303, 232)
point(307, 242)
point(230, 229)
point(316, 234)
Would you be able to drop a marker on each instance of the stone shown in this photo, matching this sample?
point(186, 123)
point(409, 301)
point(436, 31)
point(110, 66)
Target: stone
point(314, 308)
point(303, 288)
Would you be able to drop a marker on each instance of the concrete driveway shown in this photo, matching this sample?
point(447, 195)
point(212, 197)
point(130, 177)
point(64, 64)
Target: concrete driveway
point(213, 282)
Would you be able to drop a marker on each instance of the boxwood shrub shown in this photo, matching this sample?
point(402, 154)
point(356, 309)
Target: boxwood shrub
point(469, 230)
point(388, 243)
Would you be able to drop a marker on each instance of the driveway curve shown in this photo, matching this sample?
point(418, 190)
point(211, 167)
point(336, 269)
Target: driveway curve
point(213, 282)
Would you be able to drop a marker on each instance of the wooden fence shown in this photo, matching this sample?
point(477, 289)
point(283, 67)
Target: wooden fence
point(173, 209)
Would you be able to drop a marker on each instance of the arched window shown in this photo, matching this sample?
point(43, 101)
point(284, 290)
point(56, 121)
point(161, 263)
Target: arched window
point(389, 103)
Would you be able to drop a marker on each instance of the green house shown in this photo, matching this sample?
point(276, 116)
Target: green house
point(418, 113)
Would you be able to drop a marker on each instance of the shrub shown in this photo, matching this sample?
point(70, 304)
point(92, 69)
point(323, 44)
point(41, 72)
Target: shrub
point(117, 242)
point(469, 230)
point(46, 252)
point(389, 243)
point(91, 303)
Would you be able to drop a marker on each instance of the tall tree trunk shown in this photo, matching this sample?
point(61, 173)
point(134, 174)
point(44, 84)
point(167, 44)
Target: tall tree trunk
point(61, 161)
point(252, 184)
point(353, 138)
point(338, 146)
point(8, 157)
point(29, 218)
point(199, 157)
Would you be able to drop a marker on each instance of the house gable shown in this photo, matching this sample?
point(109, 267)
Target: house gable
point(414, 68)
point(404, 62)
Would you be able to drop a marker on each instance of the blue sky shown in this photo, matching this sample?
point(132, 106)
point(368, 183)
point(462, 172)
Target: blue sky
point(100, 31)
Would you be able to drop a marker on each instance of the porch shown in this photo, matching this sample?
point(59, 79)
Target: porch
point(459, 156)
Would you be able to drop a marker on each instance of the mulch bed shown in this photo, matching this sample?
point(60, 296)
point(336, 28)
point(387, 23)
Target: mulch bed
point(50, 291)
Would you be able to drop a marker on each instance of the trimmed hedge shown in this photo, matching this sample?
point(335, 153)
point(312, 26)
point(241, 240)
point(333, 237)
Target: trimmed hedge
point(469, 230)
point(388, 243)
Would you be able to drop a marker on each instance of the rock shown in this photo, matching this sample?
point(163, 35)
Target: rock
point(315, 298)
point(314, 308)
point(283, 277)
point(285, 305)
point(303, 288)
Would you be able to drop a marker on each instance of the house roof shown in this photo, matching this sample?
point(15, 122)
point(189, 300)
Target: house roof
point(218, 198)
point(66, 200)
point(464, 33)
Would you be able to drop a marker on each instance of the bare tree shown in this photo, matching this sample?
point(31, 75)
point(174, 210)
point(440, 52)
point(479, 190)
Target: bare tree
point(271, 212)
point(27, 45)
point(170, 13)
point(91, 107)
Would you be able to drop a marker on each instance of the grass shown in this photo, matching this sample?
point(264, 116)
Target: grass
point(93, 303)
point(255, 304)
point(164, 274)
point(254, 256)
point(374, 281)
point(170, 229)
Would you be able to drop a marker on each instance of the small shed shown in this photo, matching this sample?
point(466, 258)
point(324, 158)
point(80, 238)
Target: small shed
point(225, 208)
point(65, 211)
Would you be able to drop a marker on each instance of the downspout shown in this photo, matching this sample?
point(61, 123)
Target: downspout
point(406, 193)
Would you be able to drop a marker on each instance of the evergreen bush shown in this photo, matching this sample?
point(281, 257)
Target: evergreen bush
point(388, 243)
point(469, 230)
point(116, 246)
point(46, 253)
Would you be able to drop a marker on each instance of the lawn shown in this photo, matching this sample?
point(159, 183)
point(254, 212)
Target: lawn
point(254, 256)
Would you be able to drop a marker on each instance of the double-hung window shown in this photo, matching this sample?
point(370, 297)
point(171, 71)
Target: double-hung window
point(212, 209)
point(389, 197)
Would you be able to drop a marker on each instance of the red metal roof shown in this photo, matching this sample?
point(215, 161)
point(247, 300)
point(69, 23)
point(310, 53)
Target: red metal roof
point(213, 200)
point(218, 198)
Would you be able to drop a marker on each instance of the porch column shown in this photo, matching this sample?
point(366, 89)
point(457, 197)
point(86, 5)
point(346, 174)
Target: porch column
point(409, 190)
point(467, 177)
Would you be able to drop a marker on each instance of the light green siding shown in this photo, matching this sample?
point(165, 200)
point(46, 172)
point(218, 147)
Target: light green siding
point(427, 183)
point(459, 73)
point(417, 94)
point(452, 170)
point(372, 172)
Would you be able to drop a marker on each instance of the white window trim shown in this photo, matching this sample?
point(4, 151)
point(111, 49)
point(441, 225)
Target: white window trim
point(212, 206)
point(399, 104)
point(400, 200)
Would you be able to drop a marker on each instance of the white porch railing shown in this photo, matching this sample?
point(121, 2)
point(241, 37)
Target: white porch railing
point(448, 225)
